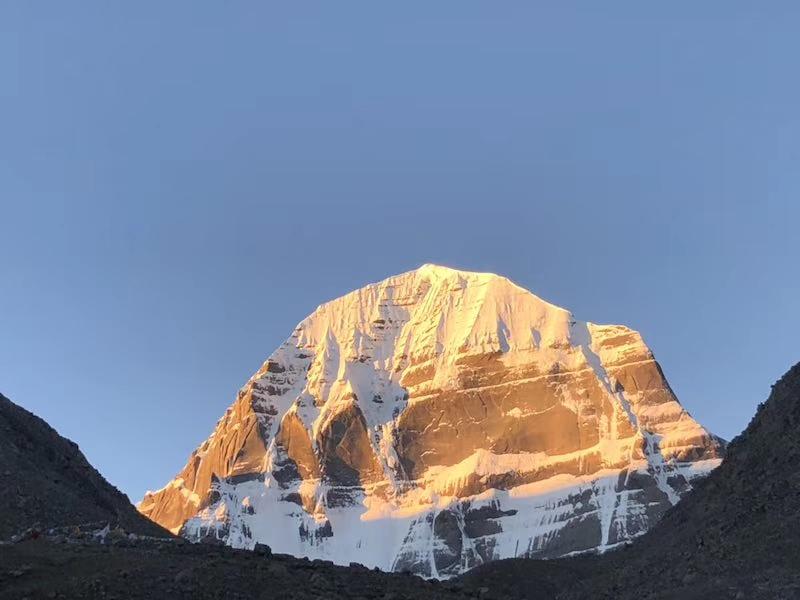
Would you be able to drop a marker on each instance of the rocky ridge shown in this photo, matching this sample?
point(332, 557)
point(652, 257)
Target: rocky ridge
point(46, 481)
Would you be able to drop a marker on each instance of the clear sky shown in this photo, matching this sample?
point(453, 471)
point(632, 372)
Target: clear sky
point(182, 182)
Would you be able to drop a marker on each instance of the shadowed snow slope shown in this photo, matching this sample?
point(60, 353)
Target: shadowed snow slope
point(438, 420)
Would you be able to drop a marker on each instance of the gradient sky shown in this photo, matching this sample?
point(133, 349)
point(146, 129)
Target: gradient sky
point(182, 182)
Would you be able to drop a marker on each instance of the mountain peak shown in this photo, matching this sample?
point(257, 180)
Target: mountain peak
point(439, 419)
point(435, 309)
point(435, 270)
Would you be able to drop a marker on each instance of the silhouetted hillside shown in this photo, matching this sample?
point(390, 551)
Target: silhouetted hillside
point(47, 481)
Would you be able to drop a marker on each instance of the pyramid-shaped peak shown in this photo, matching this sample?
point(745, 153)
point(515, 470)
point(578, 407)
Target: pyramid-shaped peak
point(440, 383)
point(436, 310)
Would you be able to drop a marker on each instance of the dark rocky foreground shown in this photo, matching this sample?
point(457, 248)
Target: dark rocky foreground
point(121, 568)
point(737, 535)
point(45, 480)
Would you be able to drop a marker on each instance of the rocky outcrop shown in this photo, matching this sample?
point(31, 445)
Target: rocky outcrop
point(46, 481)
point(437, 420)
point(235, 448)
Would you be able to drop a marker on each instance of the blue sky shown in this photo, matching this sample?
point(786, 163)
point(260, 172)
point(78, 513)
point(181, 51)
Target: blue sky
point(182, 182)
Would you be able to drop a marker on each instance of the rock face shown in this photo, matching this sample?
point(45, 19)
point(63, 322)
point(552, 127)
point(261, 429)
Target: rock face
point(46, 481)
point(735, 535)
point(438, 420)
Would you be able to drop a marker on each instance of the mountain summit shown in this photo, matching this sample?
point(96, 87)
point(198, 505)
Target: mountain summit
point(437, 420)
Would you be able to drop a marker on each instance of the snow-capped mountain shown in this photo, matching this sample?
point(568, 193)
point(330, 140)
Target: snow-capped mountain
point(437, 420)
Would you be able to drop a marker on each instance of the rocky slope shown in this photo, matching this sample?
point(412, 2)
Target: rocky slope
point(46, 481)
point(147, 570)
point(439, 420)
point(736, 535)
